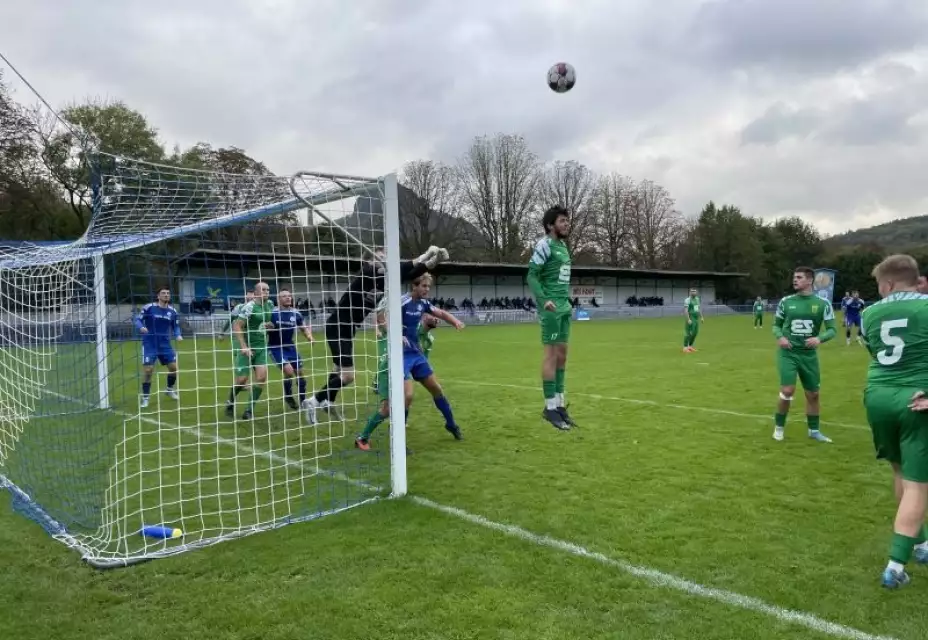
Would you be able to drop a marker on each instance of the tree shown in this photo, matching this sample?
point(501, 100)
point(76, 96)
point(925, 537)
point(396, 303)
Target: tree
point(802, 243)
point(609, 204)
point(498, 178)
point(429, 208)
point(31, 207)
point(654, 225)
point(571, 185)
point(726, 241)
point(112, 128)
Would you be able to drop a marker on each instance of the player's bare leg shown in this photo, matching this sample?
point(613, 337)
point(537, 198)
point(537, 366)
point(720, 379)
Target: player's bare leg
point(560, 374)
point(783, 403)
point(908, 529)
point(171, 391)
point(549, 386)
point(813, 411)
point(441, 402)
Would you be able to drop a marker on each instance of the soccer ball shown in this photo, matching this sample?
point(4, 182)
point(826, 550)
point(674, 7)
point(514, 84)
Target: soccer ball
point(561, 77)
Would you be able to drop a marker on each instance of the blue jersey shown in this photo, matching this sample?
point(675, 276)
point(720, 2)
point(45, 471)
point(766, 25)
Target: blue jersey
point(285, 322)
point(161, 322)
point(412, 316)
point(854, 307)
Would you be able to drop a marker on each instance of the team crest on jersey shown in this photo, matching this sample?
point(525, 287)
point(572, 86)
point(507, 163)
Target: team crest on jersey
point(814, 308)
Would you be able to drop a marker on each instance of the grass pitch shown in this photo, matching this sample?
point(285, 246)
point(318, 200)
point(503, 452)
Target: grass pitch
point(672, 476)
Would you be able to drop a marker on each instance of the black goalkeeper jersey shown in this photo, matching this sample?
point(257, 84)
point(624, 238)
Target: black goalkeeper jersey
point(364, 293)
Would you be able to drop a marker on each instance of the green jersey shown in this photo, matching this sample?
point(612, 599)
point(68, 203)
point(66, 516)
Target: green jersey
point(691, 304)
point(758, 308)
point(426, 340)
point(895, 331)
point(255, 315)
point(549, 273)
point(800, 317)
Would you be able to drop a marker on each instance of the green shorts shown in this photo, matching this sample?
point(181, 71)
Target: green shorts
point(799, 363)
point(691, 328)
point(243, 364)
point(555, 325)
point(900, 435)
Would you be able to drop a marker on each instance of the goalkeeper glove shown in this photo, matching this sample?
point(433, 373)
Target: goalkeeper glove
point(441, 255)
point(425, 257)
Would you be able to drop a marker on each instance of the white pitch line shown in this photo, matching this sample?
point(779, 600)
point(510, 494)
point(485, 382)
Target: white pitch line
point(659, 578)
point(654, 576)
point(651, 403)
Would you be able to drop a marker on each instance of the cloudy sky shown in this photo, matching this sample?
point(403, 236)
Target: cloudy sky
point(810, 107)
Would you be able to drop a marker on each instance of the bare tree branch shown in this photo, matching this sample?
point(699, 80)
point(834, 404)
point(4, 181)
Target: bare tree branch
point(429, 210)
point(571, 185)
point(610, 205)
point(498, 179)
point(655, 226)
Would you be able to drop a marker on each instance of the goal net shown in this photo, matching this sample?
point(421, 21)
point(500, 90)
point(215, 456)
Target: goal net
point(133, 425)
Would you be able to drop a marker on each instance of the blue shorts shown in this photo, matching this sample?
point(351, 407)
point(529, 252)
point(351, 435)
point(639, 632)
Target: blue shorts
point(286, 355)
point(416, 366)
point(160, 351)
point(853, 321)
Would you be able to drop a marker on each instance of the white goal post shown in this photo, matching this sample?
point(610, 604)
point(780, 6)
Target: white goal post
point(129, 429)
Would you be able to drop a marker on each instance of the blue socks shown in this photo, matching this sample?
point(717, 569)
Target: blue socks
point(445, 407)
point(172, 380)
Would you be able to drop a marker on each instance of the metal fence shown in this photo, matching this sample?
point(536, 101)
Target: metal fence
point(120, 329)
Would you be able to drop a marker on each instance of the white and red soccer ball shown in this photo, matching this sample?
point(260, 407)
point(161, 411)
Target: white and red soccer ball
point(561, 77)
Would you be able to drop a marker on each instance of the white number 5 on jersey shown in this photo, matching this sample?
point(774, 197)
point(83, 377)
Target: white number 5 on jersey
point(894, 344)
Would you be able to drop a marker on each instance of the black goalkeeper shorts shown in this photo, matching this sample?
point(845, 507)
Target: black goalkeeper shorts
point(340, 338)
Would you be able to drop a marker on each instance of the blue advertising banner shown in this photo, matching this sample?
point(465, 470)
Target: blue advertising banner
point(582, 314)
point(824, 284)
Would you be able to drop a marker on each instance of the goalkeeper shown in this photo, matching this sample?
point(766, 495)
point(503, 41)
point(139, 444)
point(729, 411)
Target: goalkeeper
point(363, 295)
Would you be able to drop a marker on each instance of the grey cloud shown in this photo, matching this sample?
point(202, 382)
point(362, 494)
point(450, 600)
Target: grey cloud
point(362, 87)
point(780, 122)
point(884, 117)
point(807, 36)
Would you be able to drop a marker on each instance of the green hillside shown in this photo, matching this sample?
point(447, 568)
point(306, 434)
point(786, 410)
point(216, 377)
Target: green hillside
point(906, 233)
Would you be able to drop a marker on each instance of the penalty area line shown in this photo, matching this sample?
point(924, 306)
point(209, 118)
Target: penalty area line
point(659, 578)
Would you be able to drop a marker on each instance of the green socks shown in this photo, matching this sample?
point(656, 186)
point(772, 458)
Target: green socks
point(901, 549)
point(549, 387)
point(779, 419)
point(813, 422)
point(559, 375)
point(256, 392)
point(372, 424)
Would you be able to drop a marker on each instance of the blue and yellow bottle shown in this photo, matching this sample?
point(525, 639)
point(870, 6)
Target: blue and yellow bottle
point(162, 532)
